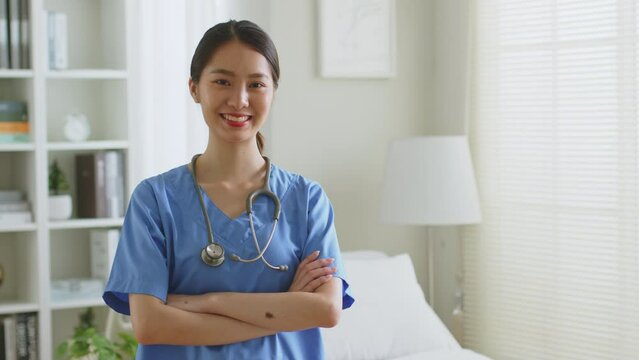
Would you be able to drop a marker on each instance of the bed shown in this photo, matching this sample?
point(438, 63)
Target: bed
point(390, 319)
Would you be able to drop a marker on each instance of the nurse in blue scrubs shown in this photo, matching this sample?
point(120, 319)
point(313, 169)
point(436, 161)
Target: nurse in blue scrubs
point(183, 308)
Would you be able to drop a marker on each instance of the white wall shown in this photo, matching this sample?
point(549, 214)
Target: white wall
point(450, 24)
point(337, 131)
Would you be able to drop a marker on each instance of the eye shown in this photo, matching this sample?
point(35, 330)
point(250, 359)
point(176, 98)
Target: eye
point(221, 82)
point(257, 85)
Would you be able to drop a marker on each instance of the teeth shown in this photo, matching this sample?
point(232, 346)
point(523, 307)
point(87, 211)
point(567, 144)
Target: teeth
point(235, 118)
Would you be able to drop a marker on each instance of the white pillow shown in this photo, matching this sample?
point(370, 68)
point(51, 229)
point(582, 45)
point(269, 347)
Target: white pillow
point(390, 317)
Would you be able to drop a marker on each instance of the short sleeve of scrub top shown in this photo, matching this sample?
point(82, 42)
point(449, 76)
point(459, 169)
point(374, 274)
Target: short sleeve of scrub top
point(141, 255)
point(164, 232)
point(323, 237)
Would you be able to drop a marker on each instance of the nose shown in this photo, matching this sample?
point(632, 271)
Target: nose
point(238, 98)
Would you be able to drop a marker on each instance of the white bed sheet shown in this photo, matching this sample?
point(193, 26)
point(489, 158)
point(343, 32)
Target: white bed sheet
point(458, 354)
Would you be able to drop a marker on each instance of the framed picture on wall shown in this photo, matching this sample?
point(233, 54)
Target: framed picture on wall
point(357, 38)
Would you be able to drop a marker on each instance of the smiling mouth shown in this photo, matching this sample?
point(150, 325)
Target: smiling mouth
point(236, 118)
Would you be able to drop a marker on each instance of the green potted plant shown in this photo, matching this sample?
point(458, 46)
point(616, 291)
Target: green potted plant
point(88, 344)
point(60, 202)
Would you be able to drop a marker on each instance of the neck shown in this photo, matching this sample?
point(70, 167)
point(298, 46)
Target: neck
point(236, 163)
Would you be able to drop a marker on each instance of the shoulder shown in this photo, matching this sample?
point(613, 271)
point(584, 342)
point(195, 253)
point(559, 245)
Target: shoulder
point(161, 184)
point(288, 183)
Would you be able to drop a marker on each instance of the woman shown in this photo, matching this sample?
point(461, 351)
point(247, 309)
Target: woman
point(185, 308)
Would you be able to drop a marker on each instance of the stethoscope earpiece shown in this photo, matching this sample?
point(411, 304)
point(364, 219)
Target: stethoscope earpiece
point(213, 253)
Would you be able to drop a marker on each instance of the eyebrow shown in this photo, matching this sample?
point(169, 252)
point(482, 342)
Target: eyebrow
point(230, 73)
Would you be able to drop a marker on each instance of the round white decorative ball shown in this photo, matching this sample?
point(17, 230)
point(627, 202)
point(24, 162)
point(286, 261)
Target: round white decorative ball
point(76, 127)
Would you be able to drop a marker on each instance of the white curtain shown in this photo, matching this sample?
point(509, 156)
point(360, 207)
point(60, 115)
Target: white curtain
point(169, 127)
point(553, 270)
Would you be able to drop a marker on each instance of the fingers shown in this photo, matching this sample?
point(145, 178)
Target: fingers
point(311, 286)
point(301, 267)
point(311, 275)
point(310, 258)
point(312, 272)
point(319, 263)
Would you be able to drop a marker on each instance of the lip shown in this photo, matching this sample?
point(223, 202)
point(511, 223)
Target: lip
point(236, 124)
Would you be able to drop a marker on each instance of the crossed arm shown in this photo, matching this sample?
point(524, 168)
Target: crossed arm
point(313, 300)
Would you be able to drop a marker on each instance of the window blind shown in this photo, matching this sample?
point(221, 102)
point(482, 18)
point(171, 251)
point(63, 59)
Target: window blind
point(553, 270)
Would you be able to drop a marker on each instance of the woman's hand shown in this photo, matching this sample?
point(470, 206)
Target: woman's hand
point(311, 273)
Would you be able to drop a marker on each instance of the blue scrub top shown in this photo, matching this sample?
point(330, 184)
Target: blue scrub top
point(164, 232)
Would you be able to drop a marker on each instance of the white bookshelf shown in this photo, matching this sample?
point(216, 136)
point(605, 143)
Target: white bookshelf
point(88, 145)
point(77, 303)
point(16, 307)
point(86, 223)
point(12, 228)
point(96, 83)
point(17, 147)
point(87, 74)
point(15, 74)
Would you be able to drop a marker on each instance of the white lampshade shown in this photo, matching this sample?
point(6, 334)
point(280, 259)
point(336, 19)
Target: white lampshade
point(430, 181)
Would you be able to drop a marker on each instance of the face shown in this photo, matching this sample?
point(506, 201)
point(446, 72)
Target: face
point(235, 92)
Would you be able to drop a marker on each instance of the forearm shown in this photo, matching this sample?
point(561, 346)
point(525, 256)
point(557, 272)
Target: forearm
point(289, 311)
point(157, 323)
point(286, 311)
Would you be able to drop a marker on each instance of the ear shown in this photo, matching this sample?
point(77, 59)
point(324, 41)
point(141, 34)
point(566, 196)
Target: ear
point(193, 91)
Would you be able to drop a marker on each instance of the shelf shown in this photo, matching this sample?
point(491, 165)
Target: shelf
point(16, 74)
point(88, 145)
point(77, 303)
point(4, 228)
point(17, 307)
point(13, 147)
point(86, 223)
point(87, 74)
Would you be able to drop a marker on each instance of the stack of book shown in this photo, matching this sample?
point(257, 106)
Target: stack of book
point(104, 243)
point(14, 34)
point(19, 337)
point(74, 289)
point(100, 184)
point(14, 123)
point(13, 208)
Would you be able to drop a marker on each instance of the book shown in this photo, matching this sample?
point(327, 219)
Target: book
point(16, 217)
point(75, 289)
point(32, 336)
point(2, 346)
point(103, 245)
point(90, 182)
point(13, 111)
point(24, 35)
point(14, 34)
point(11, 195)
point(21, 337)
point(11, 206)
point(10, 351)
point(14, 138)
point(4, 35)
point(114, 183)
point(57, 38)
point(14, 125)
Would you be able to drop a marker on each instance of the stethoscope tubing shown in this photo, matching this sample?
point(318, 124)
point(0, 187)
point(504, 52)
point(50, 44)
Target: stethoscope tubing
point(265, 190)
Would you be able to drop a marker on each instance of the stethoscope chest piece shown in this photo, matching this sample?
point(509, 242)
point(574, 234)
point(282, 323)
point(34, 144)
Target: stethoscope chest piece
point(213, 254)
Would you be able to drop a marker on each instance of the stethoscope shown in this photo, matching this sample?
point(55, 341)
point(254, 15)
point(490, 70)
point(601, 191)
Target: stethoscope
point(213, 252)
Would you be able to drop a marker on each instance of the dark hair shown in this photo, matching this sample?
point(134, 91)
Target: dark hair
point(245, 32)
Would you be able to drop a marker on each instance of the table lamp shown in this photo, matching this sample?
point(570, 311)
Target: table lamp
point(429, 180)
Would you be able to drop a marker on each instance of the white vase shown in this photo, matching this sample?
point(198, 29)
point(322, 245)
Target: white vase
point(60, 207)
point(89, 357)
